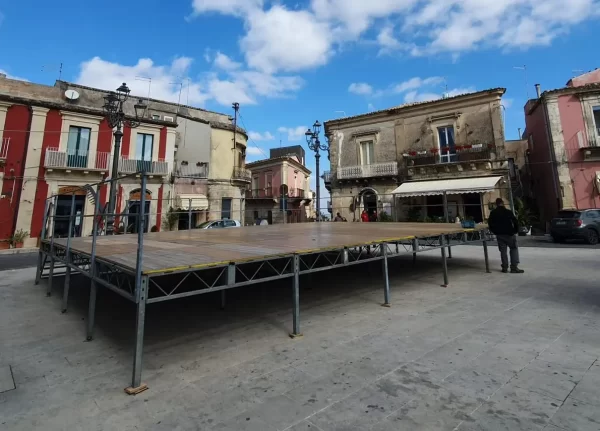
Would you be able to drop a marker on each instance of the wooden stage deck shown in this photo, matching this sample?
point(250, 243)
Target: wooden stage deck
point(198, 248)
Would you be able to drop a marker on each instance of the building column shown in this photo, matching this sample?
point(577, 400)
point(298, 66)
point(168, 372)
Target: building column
point(32, 162)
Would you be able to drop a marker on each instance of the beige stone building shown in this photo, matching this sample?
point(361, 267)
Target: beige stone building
point(404, 161)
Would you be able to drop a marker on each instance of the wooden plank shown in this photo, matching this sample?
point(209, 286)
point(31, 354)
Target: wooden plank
point(197, 247)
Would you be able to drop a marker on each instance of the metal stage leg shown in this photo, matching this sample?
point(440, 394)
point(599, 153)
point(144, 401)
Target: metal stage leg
point(42, 257)
point(141, 296)
point(223, 299)
point(41, 254)
point(50, 277)
point(415, 247)
point(230, 282)
point(386, 277)
point(296, 296)
point(444, 262)
point(449, 248)
point(93, 287)
point(65, 299)
point(92, 310)
point(136, 379)
point(485, 255)
point(68, 257)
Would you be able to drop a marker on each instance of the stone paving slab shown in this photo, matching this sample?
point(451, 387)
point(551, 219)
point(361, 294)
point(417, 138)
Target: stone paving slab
point(490, 352)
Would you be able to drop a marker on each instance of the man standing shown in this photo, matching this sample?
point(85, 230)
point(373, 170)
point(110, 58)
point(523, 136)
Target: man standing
point(503, 223)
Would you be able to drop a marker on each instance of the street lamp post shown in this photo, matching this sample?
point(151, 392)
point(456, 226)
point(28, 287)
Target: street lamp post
point(115, 116)
point(314, 144)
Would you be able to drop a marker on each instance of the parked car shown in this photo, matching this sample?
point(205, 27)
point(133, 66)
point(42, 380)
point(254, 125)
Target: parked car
point(218, 224)
point(576, 224)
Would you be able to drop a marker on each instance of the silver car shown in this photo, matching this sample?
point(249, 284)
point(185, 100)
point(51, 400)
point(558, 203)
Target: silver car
point(219, 224)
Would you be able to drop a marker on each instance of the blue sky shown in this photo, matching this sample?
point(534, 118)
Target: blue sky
point(289, 63)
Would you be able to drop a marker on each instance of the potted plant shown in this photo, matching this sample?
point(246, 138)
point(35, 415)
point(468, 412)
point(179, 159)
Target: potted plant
point(458, 148)
point(434, 150)
point(524, 216)
point(18, 237)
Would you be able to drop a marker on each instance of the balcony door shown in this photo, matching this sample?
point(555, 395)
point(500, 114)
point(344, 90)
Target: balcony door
point(143, 151)
point(447, 146)
point(367, 153)
point(78, 147)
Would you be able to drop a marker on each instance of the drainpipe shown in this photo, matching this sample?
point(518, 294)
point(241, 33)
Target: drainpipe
point(23, 164)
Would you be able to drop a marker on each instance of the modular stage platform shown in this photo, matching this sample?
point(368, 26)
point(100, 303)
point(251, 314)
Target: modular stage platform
point(161, 266)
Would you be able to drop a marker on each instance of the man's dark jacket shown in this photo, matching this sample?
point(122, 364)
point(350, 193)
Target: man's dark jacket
point(503, 222)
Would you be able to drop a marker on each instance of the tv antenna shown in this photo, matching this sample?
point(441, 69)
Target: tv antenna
point(524, 69)
point(149, 80)
point(53, 68)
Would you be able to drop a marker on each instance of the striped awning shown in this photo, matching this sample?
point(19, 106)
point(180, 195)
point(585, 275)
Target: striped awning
point(198, 202)
point(439, 187)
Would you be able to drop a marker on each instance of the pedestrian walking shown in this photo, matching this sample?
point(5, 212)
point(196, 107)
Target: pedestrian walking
point(503, 223)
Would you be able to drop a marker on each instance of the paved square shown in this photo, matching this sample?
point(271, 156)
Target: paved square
point(490, 352)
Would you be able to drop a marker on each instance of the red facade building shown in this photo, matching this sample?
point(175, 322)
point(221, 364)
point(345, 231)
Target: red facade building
point(563, 157)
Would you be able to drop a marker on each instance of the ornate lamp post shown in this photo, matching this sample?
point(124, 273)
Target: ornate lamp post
point(314, 144)
point(113, 108)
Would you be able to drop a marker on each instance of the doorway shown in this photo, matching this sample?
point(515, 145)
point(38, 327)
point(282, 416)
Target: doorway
point(226, 208)
point(370, 204)
point(63, 212)
point(472, 205)
point(135, 214)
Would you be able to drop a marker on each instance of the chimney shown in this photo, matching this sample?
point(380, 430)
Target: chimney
point(538, 91)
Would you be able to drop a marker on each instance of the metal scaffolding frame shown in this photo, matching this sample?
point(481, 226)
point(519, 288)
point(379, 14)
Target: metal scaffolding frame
point(153, 286)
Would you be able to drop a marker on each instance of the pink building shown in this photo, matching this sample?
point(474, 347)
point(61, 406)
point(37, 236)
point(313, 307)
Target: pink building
point(563, 157)
point(279, 189)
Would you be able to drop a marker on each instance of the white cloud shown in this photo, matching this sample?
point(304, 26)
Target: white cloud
point(360, 88)
point(106, 75)
point(8, 75)
point(251, 150)
point(415, 96)
point(223, 86)
point(225, 63)
point(278, 38)
point(257, 136)
point(293, 133)
point(416, 82)
point(371, 107)
point(229, 7)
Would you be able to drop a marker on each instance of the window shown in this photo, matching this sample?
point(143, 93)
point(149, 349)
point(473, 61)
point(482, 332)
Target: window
point(367, 153)
point(78, 146)
point(225, 208)
point(596, 110)
point(167, 118)
point(143, 150)
point(446, 142)
point(155, 117)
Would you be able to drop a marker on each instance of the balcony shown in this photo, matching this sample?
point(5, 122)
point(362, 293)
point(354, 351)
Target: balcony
point(266, 193)
point(152, 167)
point(241, 174)
point(296, 193)
point(78, 160)
point(4, 149)
point(430, 164)
point(462, 154)
point(375, 170)
point(199, 170)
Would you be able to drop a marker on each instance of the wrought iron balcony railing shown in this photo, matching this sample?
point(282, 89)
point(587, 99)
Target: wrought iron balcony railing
point(155, 167)
point(388, 169)
point(57, 159)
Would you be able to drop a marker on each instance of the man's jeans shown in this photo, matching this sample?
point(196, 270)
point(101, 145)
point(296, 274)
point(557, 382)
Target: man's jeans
point(510, 242)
